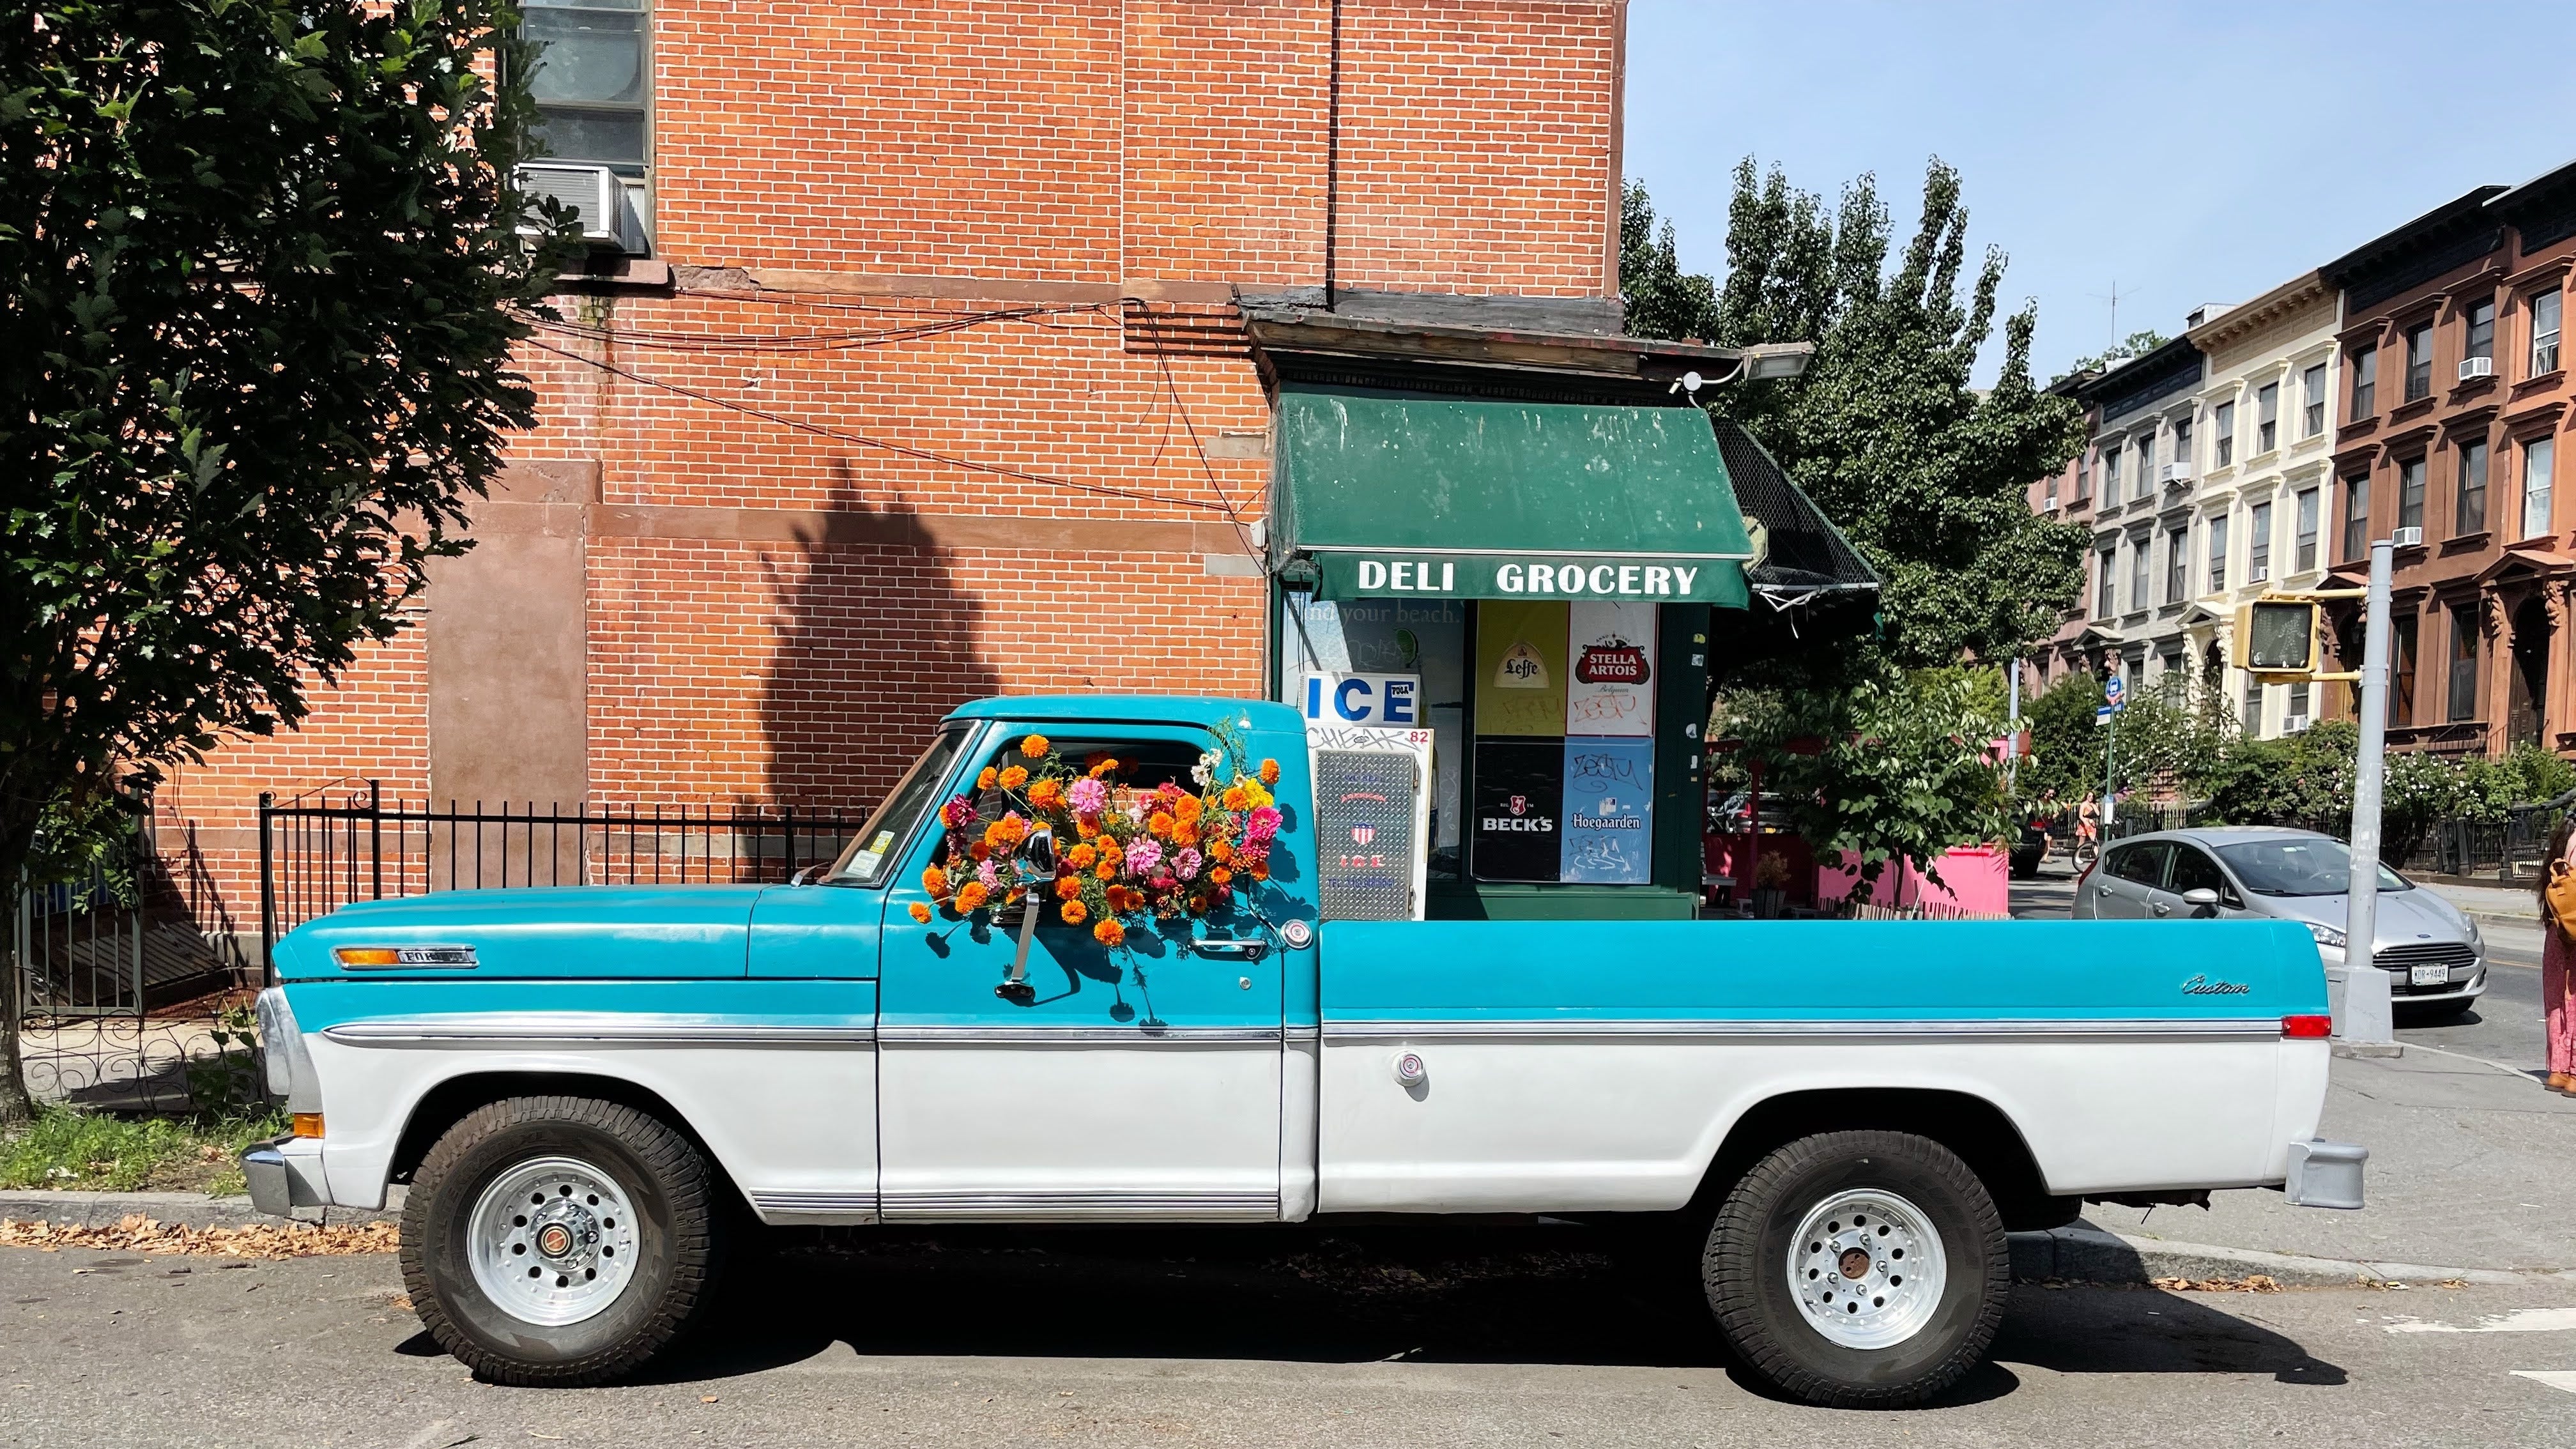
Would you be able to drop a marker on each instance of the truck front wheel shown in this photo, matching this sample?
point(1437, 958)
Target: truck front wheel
point(558, 1240)
point(1860, 1269)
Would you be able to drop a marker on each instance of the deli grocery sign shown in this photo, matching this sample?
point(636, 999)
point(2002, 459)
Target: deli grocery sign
point(1537, 576)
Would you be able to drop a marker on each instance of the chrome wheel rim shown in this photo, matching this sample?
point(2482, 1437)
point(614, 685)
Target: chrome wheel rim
point(1867, 1269)
point(552, 1241)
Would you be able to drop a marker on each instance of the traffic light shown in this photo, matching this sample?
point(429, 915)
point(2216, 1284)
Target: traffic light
point(2276, 637)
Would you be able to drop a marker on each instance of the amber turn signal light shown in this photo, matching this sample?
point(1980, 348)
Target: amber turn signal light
point(2307, 1026)
point(366, 955)
point(308, 1124)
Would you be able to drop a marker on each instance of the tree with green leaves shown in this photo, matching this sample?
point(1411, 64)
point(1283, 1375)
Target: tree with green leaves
point(261, 257)
point(1661, 299)
point(2136, 344)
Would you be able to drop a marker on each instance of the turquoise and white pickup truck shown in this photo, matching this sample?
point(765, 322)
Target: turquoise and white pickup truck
point(1078, 968)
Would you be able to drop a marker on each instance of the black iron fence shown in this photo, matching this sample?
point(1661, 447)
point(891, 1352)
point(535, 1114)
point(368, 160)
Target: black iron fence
point(318, 854)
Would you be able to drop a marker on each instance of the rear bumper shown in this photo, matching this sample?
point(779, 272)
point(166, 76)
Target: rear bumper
point(285, 1173)
point(2325, 1174)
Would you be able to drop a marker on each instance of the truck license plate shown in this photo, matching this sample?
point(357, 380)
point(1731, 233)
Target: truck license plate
point(2428, 975)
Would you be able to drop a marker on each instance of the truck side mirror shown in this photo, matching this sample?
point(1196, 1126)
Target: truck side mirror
point(1037, 854)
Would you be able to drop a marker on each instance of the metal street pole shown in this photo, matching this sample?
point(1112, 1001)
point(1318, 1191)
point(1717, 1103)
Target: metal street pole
point(2012, 726)
point(2366, 1014)
point(2110, 742)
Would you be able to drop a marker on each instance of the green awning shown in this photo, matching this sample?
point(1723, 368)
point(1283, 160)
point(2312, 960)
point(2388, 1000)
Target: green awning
point(1401, 496)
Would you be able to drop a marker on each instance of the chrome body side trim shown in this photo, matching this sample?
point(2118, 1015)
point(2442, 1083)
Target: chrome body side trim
point(978, 1034)
point(1080, 1206)
point(783, 1207)
point(595, 1030)
point(2003, 1028)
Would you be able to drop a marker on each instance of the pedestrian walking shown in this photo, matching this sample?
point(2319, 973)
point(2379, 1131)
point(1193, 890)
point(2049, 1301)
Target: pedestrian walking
point(2088, 831)
point(2556, 877)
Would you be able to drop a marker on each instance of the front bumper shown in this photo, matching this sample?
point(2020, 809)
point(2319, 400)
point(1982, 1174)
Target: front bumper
point(2325, 1174)
point(2464, 987)
point(285, 1173)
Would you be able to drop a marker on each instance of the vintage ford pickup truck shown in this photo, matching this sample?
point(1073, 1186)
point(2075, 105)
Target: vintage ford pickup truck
point(1077, 969)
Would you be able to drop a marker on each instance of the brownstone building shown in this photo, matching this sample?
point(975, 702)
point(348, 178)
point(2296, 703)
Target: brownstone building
point(2453, 408)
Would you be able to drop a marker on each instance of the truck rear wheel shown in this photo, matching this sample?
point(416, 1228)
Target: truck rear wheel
point(559, 1240)
point(1858, 1269)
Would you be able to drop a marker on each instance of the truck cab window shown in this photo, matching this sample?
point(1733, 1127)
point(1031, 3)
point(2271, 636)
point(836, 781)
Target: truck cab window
point(871, 854)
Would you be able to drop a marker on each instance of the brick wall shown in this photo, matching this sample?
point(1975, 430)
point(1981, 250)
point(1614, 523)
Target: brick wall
point(956, 466)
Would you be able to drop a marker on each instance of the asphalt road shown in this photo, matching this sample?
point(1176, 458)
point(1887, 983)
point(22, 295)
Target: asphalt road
point(1261, 1337)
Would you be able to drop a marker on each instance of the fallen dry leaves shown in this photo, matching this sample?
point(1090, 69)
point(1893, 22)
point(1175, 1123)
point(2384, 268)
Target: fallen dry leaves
point(136, 1233)
point(2250, 1283)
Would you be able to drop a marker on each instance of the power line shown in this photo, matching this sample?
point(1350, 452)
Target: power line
point(861, 440)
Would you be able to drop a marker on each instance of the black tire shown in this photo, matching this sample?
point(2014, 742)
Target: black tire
point(1745, 1269)
point(677, 1230)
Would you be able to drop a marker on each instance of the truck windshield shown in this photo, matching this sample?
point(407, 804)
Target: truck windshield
point(2299, 868)
point(872, 853)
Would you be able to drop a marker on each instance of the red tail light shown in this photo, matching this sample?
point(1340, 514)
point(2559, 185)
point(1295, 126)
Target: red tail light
point(2307, 1026)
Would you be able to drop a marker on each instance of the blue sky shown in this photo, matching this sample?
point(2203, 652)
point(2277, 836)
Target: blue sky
point(2191, 152)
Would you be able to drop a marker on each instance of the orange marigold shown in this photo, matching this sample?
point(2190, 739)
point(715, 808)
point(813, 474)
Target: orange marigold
point(1106, 870)
point(1186, 833)
point(1034, 747)
point(1220, 849)
point(1013, 777)
point(1260, 871)
point(1074, 912)
point(935, 881)
point(1082, 856)
point(984, 781)
point(1109, 933)
point(972, 895)
point(1219, 874)
point(921, 913)
point(1160, 825)
point(1198, 905)
point(1236, 798)
point(1047, 794)
point(1106, 766)
point(1067, 887)
point(979, 851)
point(1270, 772)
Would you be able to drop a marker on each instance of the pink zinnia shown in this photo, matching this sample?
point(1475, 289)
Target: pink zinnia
point(1143, 854)
point(1263, 824)
point(1087, 796)
point(1186, 864)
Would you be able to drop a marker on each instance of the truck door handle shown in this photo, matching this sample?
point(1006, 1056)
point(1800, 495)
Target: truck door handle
point(1226, 950)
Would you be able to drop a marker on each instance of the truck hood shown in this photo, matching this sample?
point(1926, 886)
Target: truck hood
point(575, 931)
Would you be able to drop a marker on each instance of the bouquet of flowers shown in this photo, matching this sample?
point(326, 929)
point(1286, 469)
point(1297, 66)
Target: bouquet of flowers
point(1123, 855)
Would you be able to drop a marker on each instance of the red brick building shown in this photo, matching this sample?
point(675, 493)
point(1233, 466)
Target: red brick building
point(934, 382)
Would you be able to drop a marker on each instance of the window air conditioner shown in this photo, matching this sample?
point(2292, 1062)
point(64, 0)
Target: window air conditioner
point(595, 194)
point(2292, 724)
point(2476, 367)
point(2176, 474)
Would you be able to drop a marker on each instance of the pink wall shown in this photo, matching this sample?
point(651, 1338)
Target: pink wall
point(1975, 878)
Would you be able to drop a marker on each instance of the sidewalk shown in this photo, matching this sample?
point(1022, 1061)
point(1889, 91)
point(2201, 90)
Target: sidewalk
point(2491, 905)
point(2470, 1166)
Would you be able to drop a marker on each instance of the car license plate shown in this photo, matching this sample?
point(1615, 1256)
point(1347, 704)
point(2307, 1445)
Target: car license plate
point(2428, 975)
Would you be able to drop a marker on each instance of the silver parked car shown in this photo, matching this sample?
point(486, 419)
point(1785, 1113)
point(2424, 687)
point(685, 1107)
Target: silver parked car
point(2435, 959)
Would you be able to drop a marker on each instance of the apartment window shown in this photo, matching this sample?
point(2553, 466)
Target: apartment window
point(2267, 417)
point(2401, 673)
point(2299, 701)
point(2146, 482)
point(2544, 333)
point(2217, 552)
point(2479, 340)
point(2048, 501)
point(2410, 493)
point(2105, 580)
point(2469, 495)
point(2258, 543)
point(2182, 442)
point(2356, 516)
point(2419, 361)
point(2253, 711)
point(592, 84)
point(2313, 389)
point(2307, 521)
point(2138, 595)
point(2464, 665)
point(2111, 474)
point(2083, 483)
point(2537, 457)
point(2177, 564)
point(2222, 422)
point(2365, 383)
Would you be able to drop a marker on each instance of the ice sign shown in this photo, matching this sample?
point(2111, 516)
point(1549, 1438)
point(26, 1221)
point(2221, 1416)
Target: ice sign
point(1372, 701)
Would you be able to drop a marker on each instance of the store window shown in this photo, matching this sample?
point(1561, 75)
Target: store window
point(1420, 642)
point(2538, 457)
point(1565, 754)
point(2544, 333)
point(2307, 537)
point(593, 80)
point(2313, 391)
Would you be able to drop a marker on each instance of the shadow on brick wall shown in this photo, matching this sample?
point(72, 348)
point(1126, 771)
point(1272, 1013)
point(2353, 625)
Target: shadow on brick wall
point(876, 643)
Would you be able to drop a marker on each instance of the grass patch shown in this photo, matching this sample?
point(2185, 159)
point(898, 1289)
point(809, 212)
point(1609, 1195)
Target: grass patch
point(105, 1152)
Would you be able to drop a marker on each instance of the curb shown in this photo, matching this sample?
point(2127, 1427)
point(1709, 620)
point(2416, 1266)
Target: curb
point(173, 1209)
point(2087, 1254)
